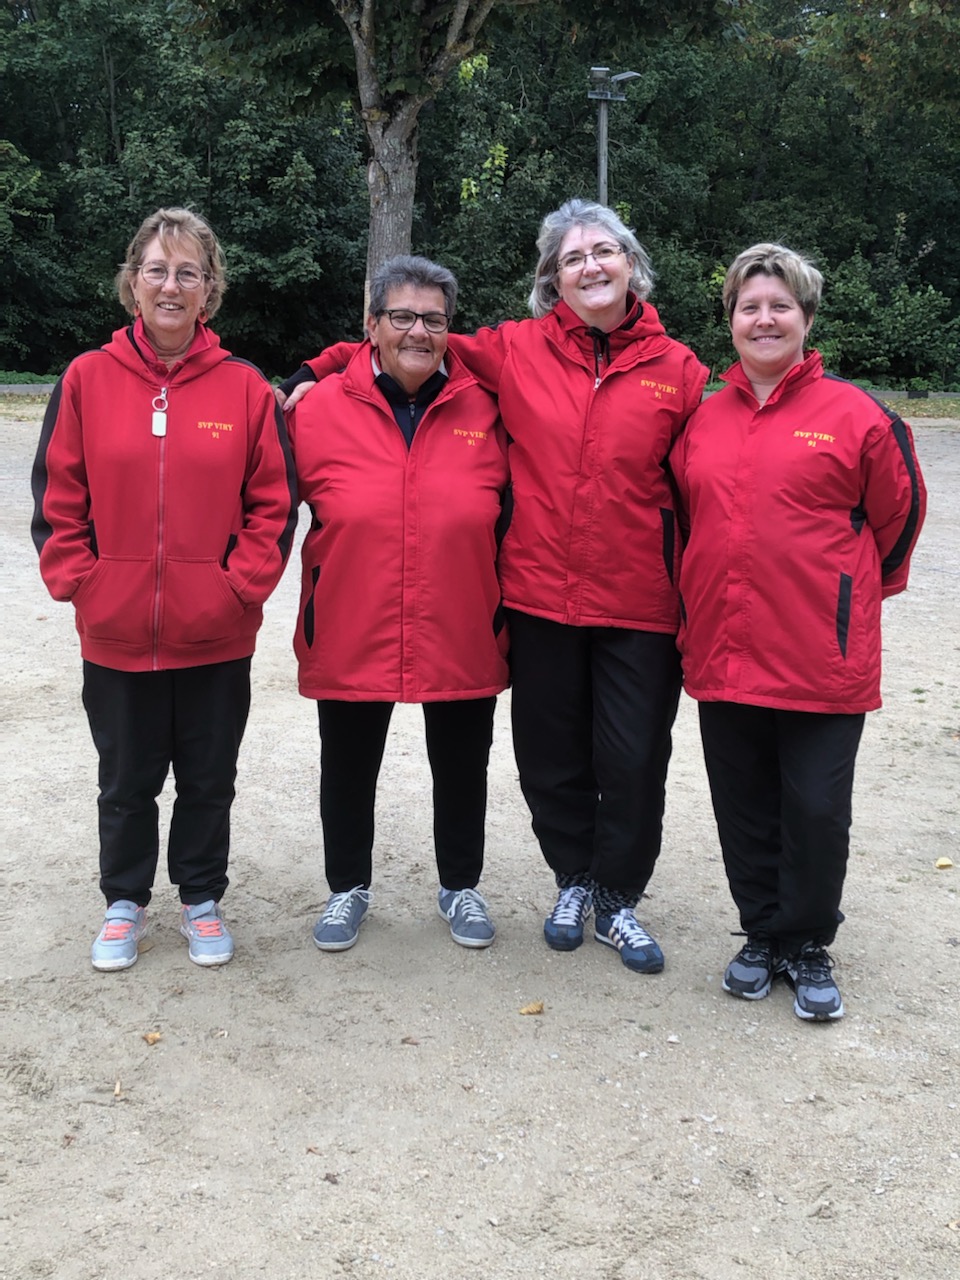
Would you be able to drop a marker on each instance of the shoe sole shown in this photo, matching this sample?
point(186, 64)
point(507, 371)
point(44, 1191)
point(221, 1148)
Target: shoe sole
point(748, 995)
point(642, 967)
point(114, 966)
point(806, 1016)
point(338, 946)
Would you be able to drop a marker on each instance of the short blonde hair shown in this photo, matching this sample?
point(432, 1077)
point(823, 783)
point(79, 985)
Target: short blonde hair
point(553, 230)
point(175, 225)
point(797, 272)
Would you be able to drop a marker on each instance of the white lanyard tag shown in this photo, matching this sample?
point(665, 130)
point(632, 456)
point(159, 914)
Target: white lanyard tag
point(159, 425)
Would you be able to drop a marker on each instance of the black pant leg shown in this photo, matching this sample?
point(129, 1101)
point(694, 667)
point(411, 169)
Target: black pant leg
point(211, 705)
point(352, 739)
point(636, 689)
point(459, 735)
point(131, 720)
point(740, 750)
point(552, 718)
point(817, 760)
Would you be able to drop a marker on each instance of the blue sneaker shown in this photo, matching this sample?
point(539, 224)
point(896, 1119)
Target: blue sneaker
point(816, 995)
point(339, 925)
point(563, 927)
point(468, 917)
point(202, 925)
point(115, 946)
point(638, 950)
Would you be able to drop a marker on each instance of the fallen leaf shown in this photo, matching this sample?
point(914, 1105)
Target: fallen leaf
point(534, 1008)
point(152, 1037)
point(332, 1178)
point(409, 1040)
point(943, 864)
point(313, 1151)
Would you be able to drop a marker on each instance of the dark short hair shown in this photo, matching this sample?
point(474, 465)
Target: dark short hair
point(583, 213)
point(409, 269)
point(797, 272)
point(175, 225)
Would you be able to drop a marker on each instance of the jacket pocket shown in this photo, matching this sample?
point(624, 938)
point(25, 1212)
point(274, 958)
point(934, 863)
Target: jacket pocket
point(114, 601)
point(197, 603)
point(844, 599)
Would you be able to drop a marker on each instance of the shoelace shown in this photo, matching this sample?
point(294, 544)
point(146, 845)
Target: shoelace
point(208, 926)
point(472, 906)
point(117, 930)
point(340, 905)
point(572, 905)
point(814, 965)
point(633, 932)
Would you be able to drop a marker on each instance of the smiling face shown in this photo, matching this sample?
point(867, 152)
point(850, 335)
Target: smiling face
point(410, 356)
point(768, 328)
point(169, 311)
point(597, 292)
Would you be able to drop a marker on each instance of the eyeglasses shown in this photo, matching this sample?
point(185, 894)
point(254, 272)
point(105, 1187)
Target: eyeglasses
point(400, 318)
point(156, 273)
point(601, 255)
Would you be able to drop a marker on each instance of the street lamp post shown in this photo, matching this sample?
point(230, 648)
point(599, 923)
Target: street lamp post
point(604, 91)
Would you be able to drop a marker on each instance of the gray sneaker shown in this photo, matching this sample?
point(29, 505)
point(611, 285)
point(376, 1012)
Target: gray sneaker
point(115, 946)
point(816, 996)
point(468, 917)
point(751, 972)
point(202, 925)
point(339, 925)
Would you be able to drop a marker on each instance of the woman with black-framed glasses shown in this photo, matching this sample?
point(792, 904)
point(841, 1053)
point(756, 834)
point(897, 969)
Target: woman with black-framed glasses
point(165, 512)
point(403, 461)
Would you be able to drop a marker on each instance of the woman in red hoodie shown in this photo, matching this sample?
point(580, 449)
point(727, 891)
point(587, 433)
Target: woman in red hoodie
point(593, 394)
point(165, 512)
point(804, 499)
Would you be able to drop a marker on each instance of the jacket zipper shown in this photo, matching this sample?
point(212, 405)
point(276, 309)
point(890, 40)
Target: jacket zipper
point(159, 429)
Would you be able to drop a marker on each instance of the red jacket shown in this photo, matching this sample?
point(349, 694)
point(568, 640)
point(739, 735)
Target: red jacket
point(167, 544)
point(593, 538)
point(400, 600)
point(803, 515)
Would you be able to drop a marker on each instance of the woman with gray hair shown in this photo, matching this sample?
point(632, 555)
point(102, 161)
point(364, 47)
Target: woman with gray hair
point(403, 461)
point(804, 500)
point(593, 394)
point(165, 513)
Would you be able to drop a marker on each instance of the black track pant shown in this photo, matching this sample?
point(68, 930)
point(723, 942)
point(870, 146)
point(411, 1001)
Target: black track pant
point(781, 783)
point(593, 708)
point(352, 738)
point(143, 723)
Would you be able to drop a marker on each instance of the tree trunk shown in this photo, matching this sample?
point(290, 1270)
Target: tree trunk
point(392, 183)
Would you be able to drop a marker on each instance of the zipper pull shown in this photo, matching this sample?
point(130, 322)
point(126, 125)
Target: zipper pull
point(159, 427)
point(596, 384)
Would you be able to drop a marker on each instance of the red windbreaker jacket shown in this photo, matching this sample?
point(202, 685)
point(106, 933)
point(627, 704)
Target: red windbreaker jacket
point(167, 544)
point(400, 600)
point(802, 516)
point(591, 417)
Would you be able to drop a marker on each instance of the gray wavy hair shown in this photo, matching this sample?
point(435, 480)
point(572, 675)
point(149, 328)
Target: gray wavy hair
point(409, 269)
point(173, 226)
point(584, 213)
point(797, 272)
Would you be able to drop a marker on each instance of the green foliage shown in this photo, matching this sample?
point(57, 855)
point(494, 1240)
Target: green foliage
point(830, 128)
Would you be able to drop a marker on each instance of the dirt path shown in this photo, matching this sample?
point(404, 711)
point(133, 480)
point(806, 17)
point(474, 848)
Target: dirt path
point(389, 1112)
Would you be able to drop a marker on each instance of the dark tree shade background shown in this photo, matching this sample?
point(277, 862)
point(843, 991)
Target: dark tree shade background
point(833, 128)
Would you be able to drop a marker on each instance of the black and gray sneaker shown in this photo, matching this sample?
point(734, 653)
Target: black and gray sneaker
point(751, 972)
point(810, 973)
